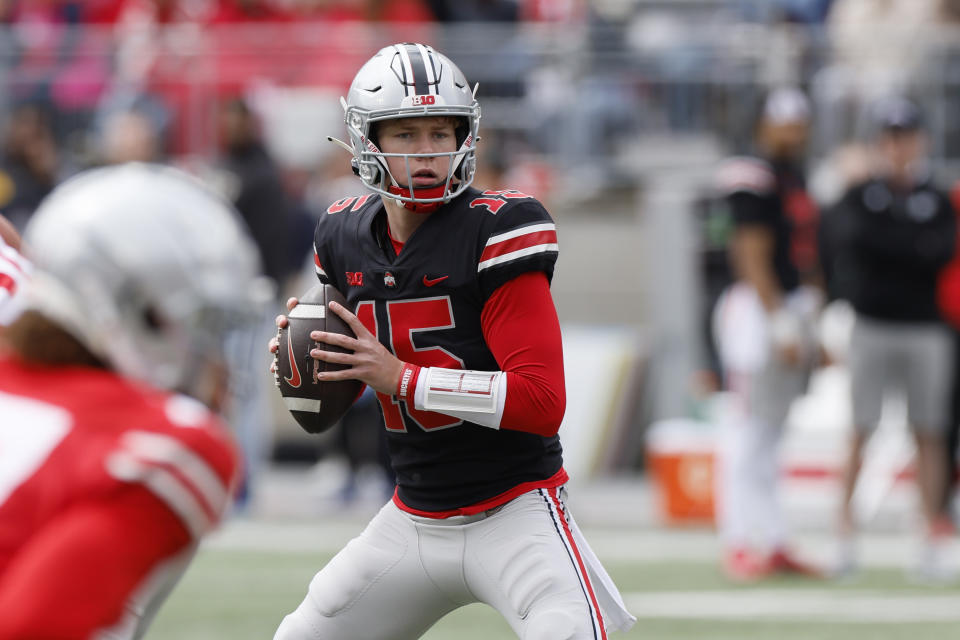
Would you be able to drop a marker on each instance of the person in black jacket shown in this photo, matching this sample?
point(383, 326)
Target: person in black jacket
point(257, 190)
point(892, 236)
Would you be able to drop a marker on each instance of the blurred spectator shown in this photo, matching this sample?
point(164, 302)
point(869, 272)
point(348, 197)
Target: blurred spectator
point(30, 163)
point(59, 58)
point(764, 327)
point(804, 11)
point(475, 10)
point(64, 11)
point(869, 37)
point(236, 11)
point(372, 10)
point(163, 12)
point(715, 229)
point(130, 136)
point(256, 188)
point(892, 236)
point(252, 181)
point(162, 51)
point(880, 47)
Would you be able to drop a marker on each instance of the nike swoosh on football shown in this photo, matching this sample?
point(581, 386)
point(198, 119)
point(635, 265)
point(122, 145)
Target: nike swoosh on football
point(294, 379)
point(429, 282)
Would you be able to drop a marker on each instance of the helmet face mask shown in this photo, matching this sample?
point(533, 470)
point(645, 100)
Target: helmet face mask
point(409, 81)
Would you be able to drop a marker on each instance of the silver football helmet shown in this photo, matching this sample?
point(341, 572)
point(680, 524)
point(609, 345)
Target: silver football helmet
point(402, 81)
point(147, 268)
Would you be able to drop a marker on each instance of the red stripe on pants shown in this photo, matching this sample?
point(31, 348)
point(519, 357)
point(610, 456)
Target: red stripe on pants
point(553, 493)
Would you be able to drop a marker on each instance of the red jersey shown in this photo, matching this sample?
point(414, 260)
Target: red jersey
point(105, 488)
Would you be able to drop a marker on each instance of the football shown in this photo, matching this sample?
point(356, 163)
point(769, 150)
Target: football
point(315, 405)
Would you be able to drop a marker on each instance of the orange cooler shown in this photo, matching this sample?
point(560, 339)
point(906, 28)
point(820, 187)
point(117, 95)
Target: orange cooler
point(680, 458)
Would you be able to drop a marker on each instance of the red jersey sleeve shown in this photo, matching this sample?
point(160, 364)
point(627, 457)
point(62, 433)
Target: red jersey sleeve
point(74, 577)
point(521, 329)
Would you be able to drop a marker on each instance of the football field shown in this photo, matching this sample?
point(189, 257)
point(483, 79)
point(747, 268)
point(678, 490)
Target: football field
point(254, 571)
point(241, 596)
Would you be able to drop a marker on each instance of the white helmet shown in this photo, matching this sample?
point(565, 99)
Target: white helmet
point(402, 81)
point(147, 268)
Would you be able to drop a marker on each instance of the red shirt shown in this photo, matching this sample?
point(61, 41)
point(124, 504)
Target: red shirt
point(103, 484)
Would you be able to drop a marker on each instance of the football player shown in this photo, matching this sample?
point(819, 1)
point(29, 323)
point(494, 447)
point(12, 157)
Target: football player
point(764, 327)
point(448, 289)
point(108, 476)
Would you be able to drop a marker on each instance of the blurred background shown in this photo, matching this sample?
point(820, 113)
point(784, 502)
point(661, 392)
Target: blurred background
point(616, 115)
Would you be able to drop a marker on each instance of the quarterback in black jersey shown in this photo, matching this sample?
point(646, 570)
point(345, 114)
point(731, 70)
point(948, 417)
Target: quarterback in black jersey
point(425, 304)
point(448, 289)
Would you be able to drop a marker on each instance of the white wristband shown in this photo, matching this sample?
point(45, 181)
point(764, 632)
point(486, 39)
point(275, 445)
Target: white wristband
point(474, 396)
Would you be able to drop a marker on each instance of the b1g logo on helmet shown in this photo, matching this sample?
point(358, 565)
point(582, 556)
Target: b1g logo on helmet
point(423, 100)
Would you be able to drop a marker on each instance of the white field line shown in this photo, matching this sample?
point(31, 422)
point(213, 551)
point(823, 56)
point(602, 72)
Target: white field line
point(328, 534)
point(805, 605)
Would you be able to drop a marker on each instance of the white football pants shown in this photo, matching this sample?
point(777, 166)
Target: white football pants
point(762, 390)
point(527, 559)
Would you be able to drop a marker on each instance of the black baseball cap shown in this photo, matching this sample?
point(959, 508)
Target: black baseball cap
point(896, 114)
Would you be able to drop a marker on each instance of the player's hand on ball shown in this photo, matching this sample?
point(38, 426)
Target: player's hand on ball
point(369, 362)
point(274, 343)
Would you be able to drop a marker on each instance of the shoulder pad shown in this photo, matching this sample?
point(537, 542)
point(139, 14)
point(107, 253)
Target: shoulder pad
point(523, 238)
point(329, 230)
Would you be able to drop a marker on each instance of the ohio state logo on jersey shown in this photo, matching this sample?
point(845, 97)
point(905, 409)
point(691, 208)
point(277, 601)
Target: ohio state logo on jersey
point(389, 280)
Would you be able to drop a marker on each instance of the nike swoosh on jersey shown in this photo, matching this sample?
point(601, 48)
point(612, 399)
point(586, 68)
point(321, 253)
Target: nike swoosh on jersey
point(429, 282)
point(294, 379)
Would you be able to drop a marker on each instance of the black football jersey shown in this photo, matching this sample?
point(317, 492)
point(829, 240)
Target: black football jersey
point(424, 306)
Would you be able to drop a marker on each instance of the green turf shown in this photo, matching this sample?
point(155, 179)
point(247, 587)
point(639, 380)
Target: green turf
point(700, 576)
point(243, 595)
point(670, 629)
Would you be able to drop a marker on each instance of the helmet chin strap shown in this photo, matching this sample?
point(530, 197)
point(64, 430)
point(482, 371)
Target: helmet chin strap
point(436, 191)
